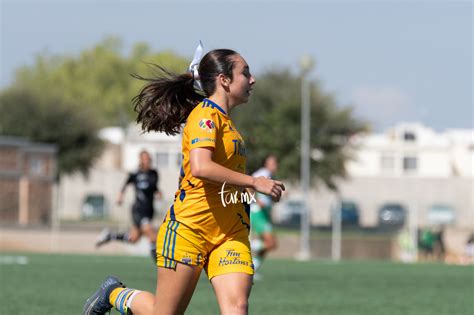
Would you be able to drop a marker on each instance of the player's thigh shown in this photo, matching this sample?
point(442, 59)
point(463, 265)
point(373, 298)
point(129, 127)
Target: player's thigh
point(230, 269)
point(232, 291)
point(175, 288)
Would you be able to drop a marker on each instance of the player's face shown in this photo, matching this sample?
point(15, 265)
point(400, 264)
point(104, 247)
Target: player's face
point(145, 161)
point(272, 164)
point(242, 82)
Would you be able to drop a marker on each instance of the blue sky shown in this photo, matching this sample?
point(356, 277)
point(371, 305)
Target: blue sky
point(391, 60)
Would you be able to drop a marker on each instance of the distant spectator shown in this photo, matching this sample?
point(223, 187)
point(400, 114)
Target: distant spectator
point(469, 251)
point(406, 246)
point(439, 248)
point(426, 240)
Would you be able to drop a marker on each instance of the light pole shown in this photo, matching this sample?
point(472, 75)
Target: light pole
point(306, 64)
point(336, 230)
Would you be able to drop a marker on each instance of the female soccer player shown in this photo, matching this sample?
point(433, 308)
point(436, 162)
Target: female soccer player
point(207, 226)
point(145, 181)
point(261, 217)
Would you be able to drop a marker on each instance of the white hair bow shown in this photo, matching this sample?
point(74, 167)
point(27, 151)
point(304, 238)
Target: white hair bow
point(193, 67)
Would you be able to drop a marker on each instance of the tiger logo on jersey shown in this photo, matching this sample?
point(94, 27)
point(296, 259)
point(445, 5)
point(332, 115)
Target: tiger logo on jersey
point(207, 125)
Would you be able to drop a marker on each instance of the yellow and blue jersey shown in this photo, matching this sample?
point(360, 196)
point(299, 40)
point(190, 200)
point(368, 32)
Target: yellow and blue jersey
point(198, 203)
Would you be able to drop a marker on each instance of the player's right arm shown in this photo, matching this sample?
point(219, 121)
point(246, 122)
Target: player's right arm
point(124, 187)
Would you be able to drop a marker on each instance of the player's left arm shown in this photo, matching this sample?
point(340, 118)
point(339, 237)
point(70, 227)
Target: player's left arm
point(204, 167)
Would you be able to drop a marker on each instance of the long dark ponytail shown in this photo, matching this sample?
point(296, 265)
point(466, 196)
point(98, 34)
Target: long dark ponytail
point(165, 102)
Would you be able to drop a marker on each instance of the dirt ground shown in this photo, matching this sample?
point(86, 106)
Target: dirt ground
point(82, 241)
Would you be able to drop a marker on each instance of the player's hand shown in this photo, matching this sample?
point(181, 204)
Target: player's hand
point(120, 199)
point(269, 187)
point(159, 195)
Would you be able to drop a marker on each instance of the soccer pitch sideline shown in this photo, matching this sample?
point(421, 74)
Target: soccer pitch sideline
point(59, 284)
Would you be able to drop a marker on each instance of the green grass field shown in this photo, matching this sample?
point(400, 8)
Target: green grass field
point(59, 284)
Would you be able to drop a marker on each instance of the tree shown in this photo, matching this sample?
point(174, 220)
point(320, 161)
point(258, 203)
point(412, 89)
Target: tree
point(71, 126)
point(66, 99)
point(270, 123)
point(99, 77)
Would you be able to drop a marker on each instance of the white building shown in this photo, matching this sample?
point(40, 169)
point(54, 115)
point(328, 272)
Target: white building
point(165, 150)
point(411, 149)
point(410, 165)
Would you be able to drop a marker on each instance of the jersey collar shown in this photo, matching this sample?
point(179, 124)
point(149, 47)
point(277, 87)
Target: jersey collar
point(208, 102)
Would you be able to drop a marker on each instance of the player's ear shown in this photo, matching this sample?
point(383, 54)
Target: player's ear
point(223, 80)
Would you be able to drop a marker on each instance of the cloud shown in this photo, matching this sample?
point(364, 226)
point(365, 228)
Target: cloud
point(382, 105)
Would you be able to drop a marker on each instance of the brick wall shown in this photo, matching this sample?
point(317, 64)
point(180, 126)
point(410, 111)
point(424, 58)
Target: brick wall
point(39, 201)
point(9, 157)
point(27, 173)
point(9, 198)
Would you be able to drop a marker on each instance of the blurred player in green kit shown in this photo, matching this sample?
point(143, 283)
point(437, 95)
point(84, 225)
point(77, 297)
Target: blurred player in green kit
point(264, 240)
